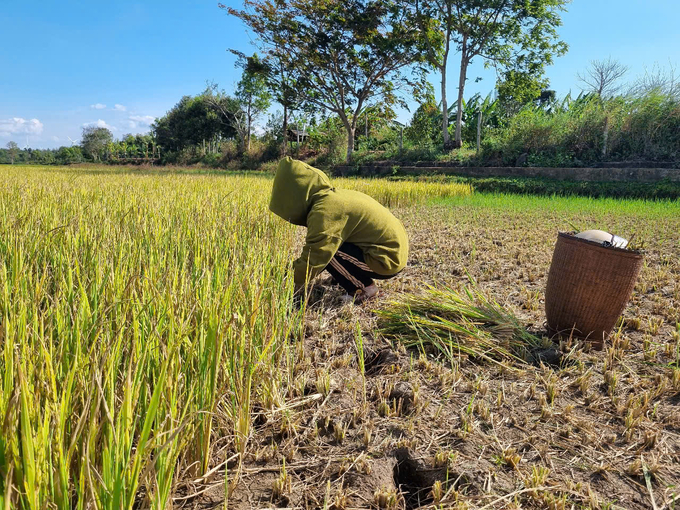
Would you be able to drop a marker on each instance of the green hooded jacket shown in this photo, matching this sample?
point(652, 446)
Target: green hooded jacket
point(304, 196)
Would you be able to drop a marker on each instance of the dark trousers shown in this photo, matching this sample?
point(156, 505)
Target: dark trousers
point(350, 271)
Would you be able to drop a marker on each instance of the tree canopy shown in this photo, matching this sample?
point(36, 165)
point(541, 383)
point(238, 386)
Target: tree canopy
point(191, 121)
point(253, 96)
point(94, 141)
point(342, 56)
point(508, 34)
point(12, 151)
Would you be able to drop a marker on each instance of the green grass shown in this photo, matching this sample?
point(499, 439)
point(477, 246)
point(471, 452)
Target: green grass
point(556, 204)
point(663, 190)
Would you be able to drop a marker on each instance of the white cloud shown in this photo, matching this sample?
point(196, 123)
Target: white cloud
point(55, 138)
point(119, 107)
point(98, 106)
point(143, 120)
point(19, 126)
point(100, 123)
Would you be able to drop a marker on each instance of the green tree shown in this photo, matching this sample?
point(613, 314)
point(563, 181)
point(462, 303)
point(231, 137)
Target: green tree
point(343, 56)
point(277, 71)
point(69, 155)
point(229, 111)
point(517, 34)
point(437, 23)
point(12, 150)
point(94, 141)
point(191, 122)
point(517, 88)
point(252, 93)
point(425, 128)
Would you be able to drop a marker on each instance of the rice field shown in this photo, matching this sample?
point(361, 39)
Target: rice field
point(137, 312)
point(150, 356)
point(142, 315)
point(405, 193)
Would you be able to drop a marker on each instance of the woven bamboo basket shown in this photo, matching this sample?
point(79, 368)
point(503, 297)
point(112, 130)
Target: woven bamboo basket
point(588, 287)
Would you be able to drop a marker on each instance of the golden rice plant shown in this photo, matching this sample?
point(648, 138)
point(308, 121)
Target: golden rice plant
point(404, 193)
point(138, 315)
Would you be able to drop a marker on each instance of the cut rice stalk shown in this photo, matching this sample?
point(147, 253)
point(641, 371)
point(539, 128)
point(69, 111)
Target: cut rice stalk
point(454, 322)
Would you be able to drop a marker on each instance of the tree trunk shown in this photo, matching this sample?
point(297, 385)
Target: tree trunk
point(605, 136)
point(445, 108)
point(350, 143)
point(458, 142)
point(351, 130)
point(249, 127)
point(285, 129)
point(479, 130)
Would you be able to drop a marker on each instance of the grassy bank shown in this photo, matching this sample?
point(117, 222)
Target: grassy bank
point(663, 190)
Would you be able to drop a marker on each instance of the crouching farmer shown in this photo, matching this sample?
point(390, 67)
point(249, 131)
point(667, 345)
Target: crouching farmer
point(349, 234)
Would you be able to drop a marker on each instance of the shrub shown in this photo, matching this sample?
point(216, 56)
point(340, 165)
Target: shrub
point(573, 133)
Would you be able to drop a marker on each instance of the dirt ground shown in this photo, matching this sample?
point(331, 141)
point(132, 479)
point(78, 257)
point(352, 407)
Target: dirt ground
point(592, 429)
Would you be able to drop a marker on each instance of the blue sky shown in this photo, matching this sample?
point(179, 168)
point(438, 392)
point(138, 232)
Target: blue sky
point(122, 63)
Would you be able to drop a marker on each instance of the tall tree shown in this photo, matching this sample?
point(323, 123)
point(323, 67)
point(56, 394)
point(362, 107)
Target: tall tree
point(602, 77)
point(13, 150)
point(252, 92)
point(230, 111)
point(342, 55)
point(519, 34)
point(94, 141)
point(277, 71)
point(436, 22)
point(192, 121)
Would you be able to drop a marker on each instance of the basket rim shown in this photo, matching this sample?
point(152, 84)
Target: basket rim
point(597, 246)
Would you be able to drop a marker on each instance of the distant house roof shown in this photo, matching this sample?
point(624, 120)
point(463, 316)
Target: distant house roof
point(297, 132)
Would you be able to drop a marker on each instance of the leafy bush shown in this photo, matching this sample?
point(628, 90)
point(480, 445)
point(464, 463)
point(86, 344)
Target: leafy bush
point(573, 133)
point(211, 159)
point(425, 129)
point(329, 141)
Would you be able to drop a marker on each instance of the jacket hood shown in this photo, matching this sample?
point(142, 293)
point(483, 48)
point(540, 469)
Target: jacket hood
point(296, 186)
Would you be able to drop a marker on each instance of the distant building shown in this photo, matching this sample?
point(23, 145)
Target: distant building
point(295, 135)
